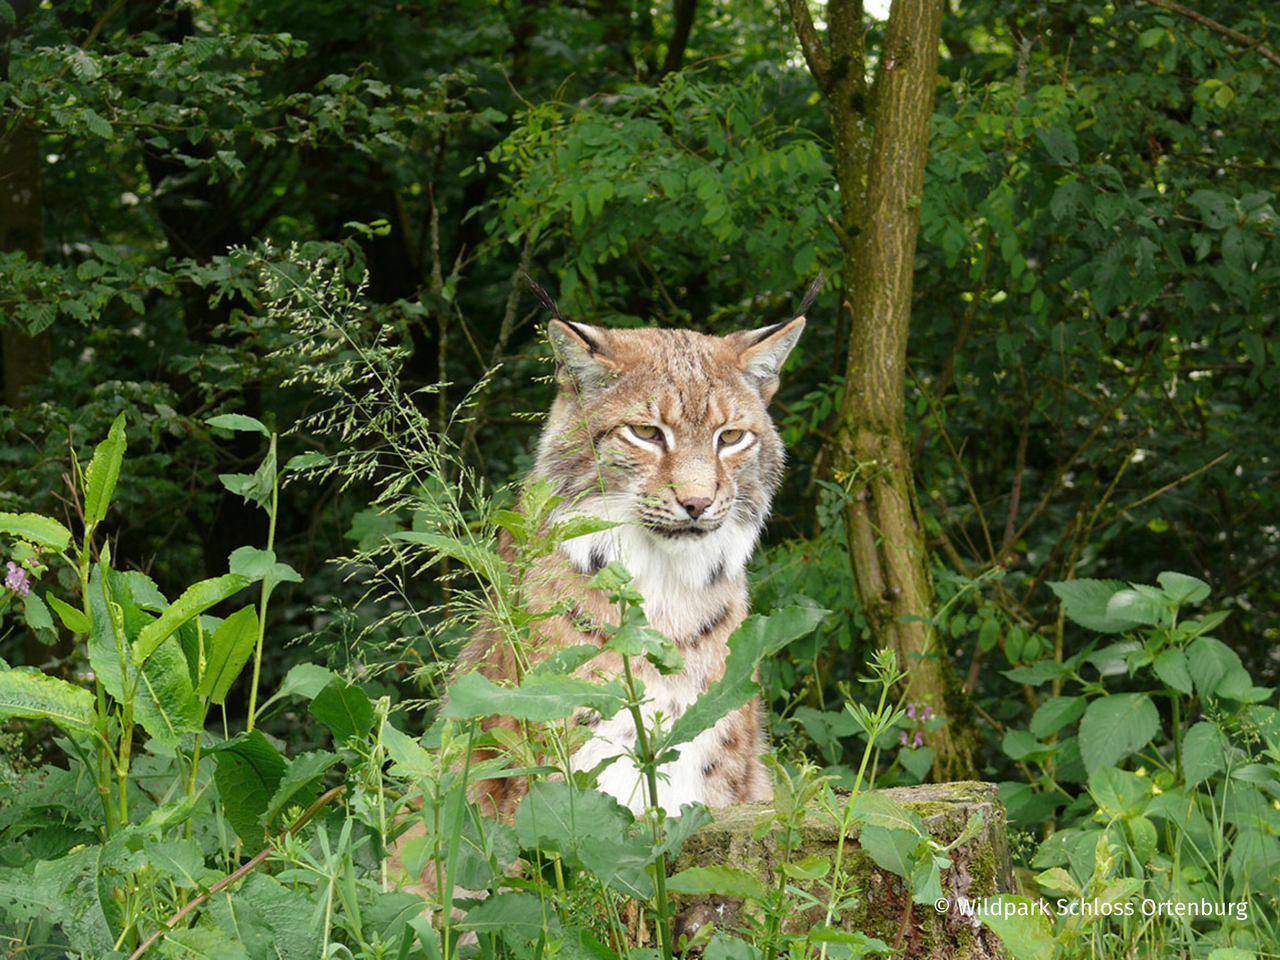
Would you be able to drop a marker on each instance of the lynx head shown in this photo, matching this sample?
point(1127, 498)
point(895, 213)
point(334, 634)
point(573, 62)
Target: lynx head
point(666, 431)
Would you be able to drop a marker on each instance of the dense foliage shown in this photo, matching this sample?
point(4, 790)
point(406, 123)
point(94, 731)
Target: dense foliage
point(260, 259)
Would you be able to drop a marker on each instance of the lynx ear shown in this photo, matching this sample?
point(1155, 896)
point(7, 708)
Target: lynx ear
point(764, 351)
point(581, 351)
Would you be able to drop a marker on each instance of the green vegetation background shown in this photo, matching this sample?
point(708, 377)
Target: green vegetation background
point(1093, 358)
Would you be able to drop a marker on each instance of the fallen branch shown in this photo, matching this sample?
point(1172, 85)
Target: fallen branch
point(243, 871)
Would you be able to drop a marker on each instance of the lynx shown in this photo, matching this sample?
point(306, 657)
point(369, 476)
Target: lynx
point(667, 434)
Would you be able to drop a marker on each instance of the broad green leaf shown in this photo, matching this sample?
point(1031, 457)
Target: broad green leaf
point(1060, 144)
point(194, 601)
point(557, 816)
point(892, 850)
point(1211, 661)
point(104, 470)
point(305, 680)
point(486, 849)
point(164, 701)
point(66, 888)
point(1118, 793)
point(202, 943)
point(518, 918)
point(810, 868)
point(1114, 727)
point(926, 881)
point(1172, 669)
point(539, 698)
point(1131, 605)
point(757, 638)
point(238, 421)
point(226, 652)
point(1055, 713)
point(877, 809)
point(1181, 588)
point(1085, 602)
point(1022, 925)
point(73, 619)
point(725, 947)
point(249, 771)
point(270, 918)
point(345, 709)
point(37, 529)
point(180, 860)
point(1203, 752)
point(724, 881)
point(1060, 881)
point(38, 617)
point(36, 696)
point(299, 785)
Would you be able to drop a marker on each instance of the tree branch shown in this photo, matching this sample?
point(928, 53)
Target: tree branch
point(1247, 42)
point(815, 54)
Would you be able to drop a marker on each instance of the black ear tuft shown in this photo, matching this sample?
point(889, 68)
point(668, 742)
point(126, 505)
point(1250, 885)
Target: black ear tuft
point(543, 297)
point(814, 289)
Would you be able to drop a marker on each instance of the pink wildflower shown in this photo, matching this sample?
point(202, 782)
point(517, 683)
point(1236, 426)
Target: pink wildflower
point(918, 740)
point(902, 738)
point(17, 580)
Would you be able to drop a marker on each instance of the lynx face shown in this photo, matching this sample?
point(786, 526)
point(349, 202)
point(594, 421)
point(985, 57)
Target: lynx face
point(667, 432)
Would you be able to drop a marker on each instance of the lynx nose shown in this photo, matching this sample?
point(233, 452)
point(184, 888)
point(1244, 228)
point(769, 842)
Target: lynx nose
point(694, 506)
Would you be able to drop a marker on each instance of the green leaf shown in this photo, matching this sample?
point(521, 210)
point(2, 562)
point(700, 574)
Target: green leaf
point(1181, 588)
point(238, 421)
point(1133, 606)
point(249, 771)
point(7, 14)
point(38, 617)
point(38, 529)
point(557, 816)
point(36, 696)
point(227, 651)
point(1114, 727)
point(104, 470)
point(1203, 752)
point(892, 850)
point(305, 680)
point(1022, 925)
point(539, 698)
point(518, 918)
point(722, 881)
point(1210, 661)
point(1118, 793)
point(1055, 713)
point(810, 868)
point(194, 601)
point(1085, 602)
point(1060, 144)
point(74, 619)
point(881, 810)
point(299, 785)
point(757, 638)
point(345, 709)
point(1172, 669)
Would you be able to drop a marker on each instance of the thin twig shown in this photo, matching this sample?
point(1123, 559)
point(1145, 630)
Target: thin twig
point(815, 53)
point(241, 872)
point(1247, 42)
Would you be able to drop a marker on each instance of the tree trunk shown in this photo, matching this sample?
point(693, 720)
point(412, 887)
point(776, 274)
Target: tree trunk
point(881, 139)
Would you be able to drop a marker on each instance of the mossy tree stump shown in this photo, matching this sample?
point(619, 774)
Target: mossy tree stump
point(979, 868)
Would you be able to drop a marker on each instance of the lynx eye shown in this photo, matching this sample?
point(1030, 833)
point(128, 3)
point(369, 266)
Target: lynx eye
point(729, 437)
point(646, 432)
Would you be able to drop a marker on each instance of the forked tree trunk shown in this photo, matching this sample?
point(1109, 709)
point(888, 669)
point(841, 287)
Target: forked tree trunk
point(881, 138)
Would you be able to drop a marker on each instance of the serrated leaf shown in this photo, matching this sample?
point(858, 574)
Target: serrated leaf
point(1172, 669)
point(345, 709)
point(1181, 588)
point(249, 770)
point(228, 649)
point(518, 918)
point(194, 601)
point(881, 810)
point(1055, 713)
point(1085, 602)
point(1114, 727)
point(1203, 752)
point(37, 529)
point(104, 470)
point(892, 850)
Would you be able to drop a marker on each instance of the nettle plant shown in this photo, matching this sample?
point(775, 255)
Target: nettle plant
point(1194, 818)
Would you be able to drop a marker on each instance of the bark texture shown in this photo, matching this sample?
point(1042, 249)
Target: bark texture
point(881, 139)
